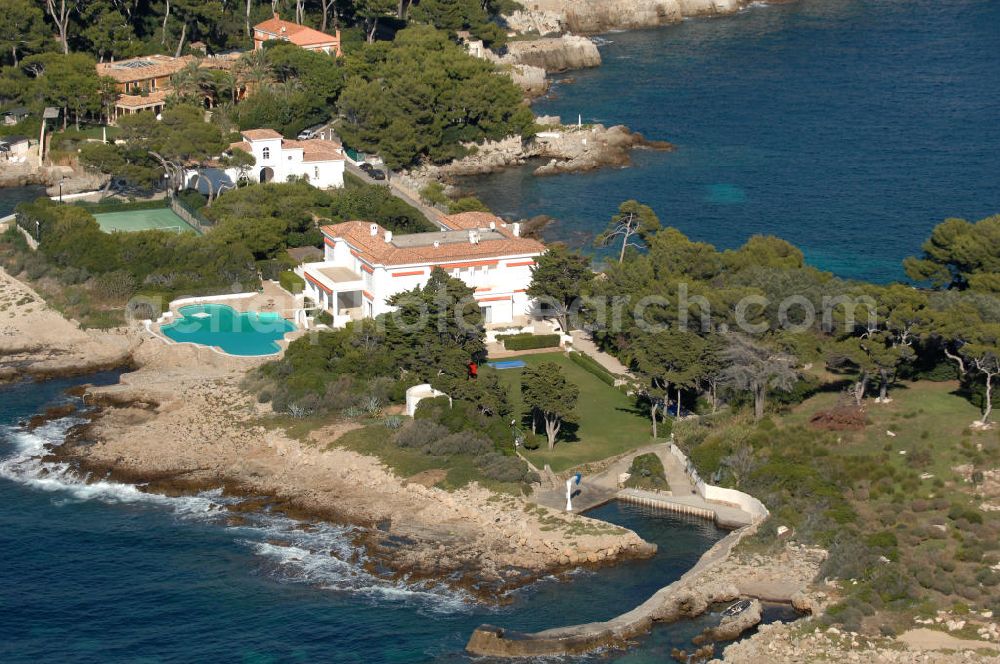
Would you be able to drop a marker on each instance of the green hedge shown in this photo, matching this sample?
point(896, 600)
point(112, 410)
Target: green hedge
point(291, 282)
point(118, 206)
point(589, 364)
point(529, 341)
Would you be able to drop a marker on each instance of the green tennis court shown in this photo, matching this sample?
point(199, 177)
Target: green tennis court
point(129, 221)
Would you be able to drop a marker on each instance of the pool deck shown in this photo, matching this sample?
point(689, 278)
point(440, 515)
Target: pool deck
point(271, 299)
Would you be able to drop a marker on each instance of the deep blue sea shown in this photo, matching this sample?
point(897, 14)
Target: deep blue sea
point(10, 197)
point(847, 127)
point(102, 572)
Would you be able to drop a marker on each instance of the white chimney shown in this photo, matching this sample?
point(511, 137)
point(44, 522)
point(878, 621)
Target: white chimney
point(493, 225)
point(436, 243)
point(517, 229)
point(473, 237)
point(373, 229)
point(388, 236)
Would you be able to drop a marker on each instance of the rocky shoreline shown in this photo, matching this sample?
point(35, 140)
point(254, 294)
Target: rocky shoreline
point(181, 425)
point(563, 148)
point(598, 16)
point(37, 342)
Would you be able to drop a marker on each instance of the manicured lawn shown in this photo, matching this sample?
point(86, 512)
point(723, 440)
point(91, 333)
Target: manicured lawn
point(610, 422)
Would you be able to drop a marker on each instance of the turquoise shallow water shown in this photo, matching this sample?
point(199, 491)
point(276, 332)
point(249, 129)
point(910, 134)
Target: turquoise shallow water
point(101, 572)
point(221, 326)
point(848, 127)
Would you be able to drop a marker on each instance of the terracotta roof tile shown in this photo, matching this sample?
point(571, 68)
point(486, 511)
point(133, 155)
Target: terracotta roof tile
point(466, 220)
point(315, 149)
point(294, 32)
point(374, 249)
point(142, 68)
point(140, 101)
point(260, 134)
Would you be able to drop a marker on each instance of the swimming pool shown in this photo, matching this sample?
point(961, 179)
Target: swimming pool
point(507, 364)
point(230, 331)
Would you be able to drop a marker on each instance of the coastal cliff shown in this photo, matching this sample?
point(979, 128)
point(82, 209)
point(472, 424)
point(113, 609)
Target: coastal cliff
point(556, 54)
point(596, 16)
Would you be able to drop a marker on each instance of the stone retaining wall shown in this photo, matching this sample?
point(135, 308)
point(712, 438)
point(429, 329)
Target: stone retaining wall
point(719, 494)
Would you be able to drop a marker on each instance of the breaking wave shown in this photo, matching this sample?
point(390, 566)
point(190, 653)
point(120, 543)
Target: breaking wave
point(321, 555)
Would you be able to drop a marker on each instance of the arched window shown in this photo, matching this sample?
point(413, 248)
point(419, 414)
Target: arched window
point(266, 153)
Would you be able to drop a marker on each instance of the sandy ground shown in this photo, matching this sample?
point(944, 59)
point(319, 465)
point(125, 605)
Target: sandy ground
point(37, 340)
point(193, 429)
point(933, 639)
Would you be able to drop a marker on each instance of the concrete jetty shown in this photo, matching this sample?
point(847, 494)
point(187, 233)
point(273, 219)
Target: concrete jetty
point(684, 598)
point(687, 597)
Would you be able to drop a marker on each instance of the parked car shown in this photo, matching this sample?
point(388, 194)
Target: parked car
point(366, 167)
point(376, 174)
point(310, 132)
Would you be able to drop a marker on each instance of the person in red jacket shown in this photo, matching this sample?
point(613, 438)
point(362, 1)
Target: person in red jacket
point(473, 371)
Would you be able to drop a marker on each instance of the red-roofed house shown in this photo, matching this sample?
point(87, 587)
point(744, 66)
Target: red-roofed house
point(300, 35)
point(364, 265)
point(277, 159)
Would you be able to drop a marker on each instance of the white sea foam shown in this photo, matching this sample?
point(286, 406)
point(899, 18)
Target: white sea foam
point(27, 467)
point(321, 554)
point(324, 555)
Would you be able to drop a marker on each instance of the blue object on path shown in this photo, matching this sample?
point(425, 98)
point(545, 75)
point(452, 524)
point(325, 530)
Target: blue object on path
point(507, 364)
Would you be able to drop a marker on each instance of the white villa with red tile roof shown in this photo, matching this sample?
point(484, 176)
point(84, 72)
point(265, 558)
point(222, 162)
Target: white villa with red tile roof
point(300, 35)
point(278, 159)
point(364, 265)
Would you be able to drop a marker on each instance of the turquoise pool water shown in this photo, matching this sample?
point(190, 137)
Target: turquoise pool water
point(231, 331)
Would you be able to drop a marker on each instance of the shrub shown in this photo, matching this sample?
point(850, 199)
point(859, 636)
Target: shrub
point(502, 468)
point(73, 275)
point(434, 194)
point(36, 268)
point(432, 409)
point(112, 205)
point(462, 442)
point(324, 318)
point(116, 286)
point(589, 364)
point(467, 204)
point(264, 396)
point(529, 341)
point(646, 472)
point(291, 282)
point(393, 422)
point(339, 394)
point(987, 577)
point(419, 433)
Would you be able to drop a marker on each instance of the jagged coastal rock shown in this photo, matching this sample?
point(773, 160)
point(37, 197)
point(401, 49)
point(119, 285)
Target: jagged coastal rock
point(181, 424)
point(595, 16)
point(555, 54)
point(568, 148)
